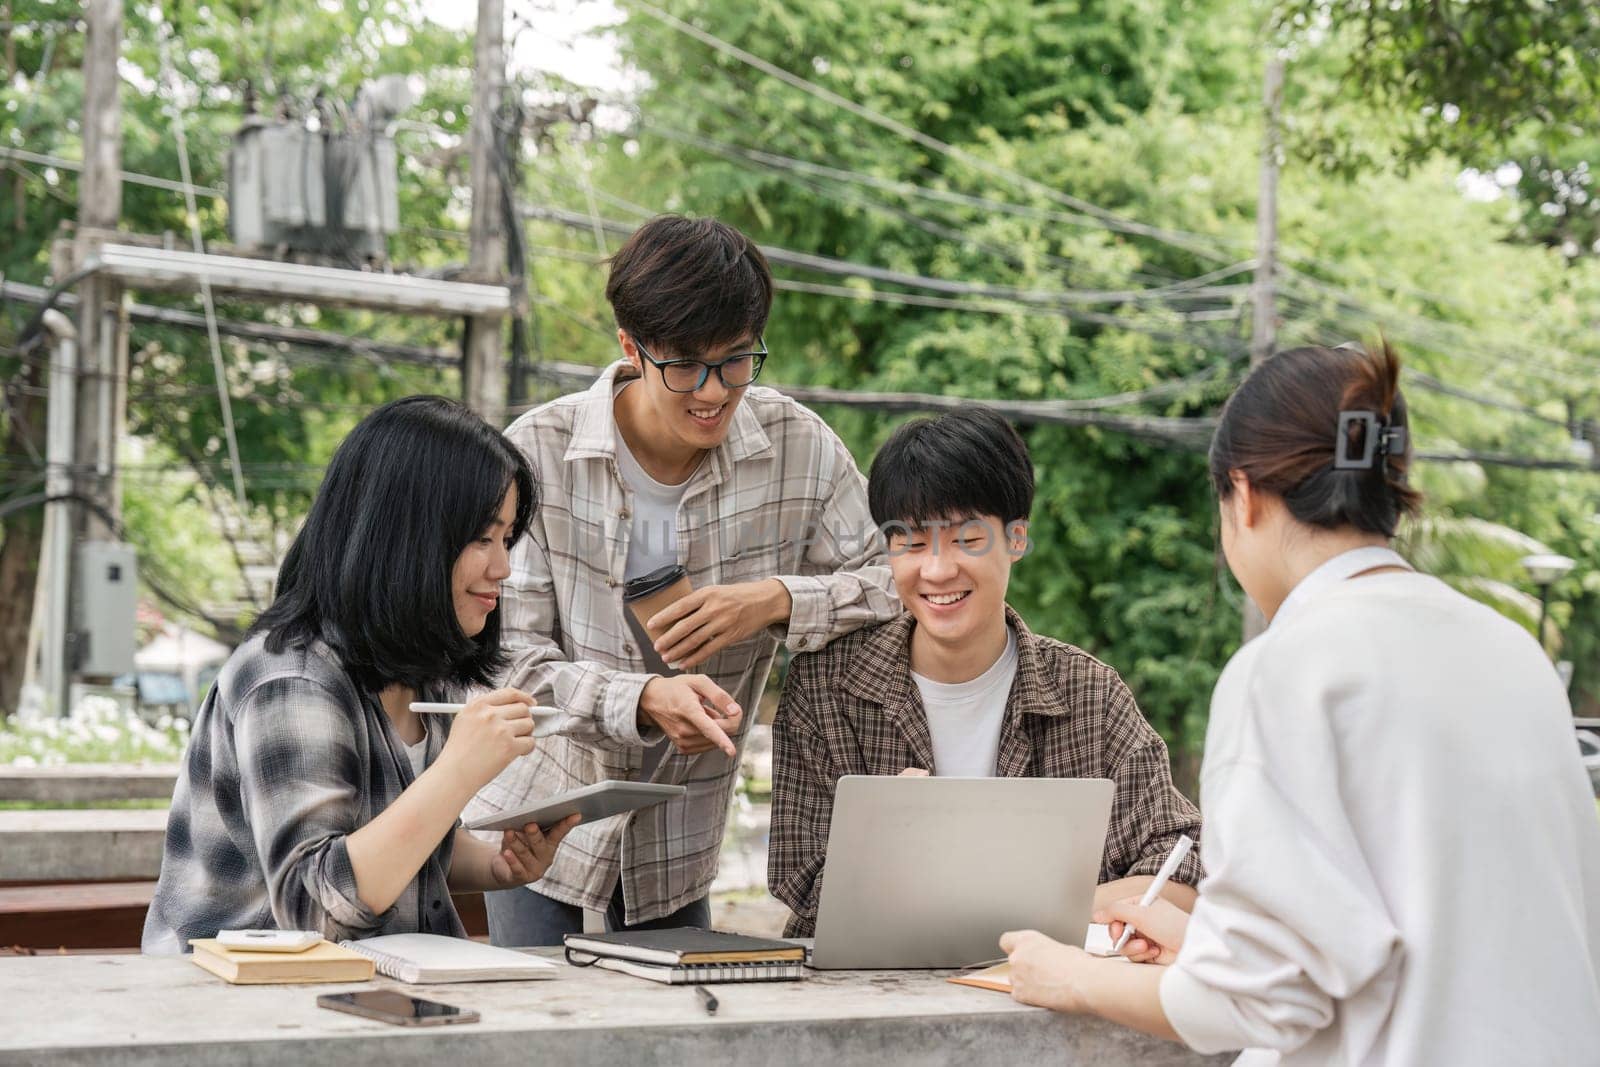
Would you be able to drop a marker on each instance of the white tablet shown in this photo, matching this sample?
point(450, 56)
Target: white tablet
point(599, 801)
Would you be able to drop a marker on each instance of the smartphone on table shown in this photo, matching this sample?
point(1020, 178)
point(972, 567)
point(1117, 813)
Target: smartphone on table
point(388, 1006)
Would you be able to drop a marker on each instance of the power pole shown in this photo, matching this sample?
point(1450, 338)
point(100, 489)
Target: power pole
point(57, 565)
point(1264, 327)
point(102, 348)
point(102, 343)
point(483, 376)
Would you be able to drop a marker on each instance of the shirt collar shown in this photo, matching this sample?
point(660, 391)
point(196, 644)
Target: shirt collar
point(594, 430)
point(1344, 566)
point(883, 667)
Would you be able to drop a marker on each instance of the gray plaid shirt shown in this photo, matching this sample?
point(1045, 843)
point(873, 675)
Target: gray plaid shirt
point(780, 498)
point(853, 709)
point(287, 758)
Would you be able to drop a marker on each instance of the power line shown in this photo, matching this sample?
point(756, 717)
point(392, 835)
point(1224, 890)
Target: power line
point(1461, 337)
point(851, 269)
point(295, 336)
point(792, 168)
point(41, 159)
point(169, 75)
point(1192, 242)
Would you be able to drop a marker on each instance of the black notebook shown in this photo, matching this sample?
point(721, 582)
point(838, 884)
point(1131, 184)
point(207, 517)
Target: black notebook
point(686, 955)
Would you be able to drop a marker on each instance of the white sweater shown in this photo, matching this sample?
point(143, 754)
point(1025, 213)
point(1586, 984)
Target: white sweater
point(1402, 850)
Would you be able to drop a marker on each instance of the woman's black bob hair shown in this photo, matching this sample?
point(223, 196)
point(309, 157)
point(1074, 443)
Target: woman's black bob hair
point(369, 573)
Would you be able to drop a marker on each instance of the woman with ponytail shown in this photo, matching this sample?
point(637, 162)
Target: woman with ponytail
point(1402, 852)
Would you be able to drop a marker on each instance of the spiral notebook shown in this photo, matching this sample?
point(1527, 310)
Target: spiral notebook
point(420, 959)
point(693, 973)
point(686, 956)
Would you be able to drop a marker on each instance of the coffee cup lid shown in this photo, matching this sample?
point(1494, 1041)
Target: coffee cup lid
point(653, 582)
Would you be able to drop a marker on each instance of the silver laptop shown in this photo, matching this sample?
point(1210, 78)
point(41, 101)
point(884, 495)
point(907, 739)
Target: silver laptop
point(929, 872)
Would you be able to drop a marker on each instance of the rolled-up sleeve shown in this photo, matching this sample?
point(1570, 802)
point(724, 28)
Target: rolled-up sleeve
point(300, 768)
point(1287, 924)
point(1148, 814)
point(601, 702)
point(846, 582)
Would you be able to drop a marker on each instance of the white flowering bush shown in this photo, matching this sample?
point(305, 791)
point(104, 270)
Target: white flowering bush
point(97, 731)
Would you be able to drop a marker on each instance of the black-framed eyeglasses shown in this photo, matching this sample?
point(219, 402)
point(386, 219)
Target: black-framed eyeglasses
point(688, 375)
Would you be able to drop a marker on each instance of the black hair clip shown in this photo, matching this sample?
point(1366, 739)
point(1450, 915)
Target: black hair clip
point(1379, 440)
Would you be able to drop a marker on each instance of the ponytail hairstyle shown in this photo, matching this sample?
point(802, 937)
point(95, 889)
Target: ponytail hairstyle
point(1324, 429)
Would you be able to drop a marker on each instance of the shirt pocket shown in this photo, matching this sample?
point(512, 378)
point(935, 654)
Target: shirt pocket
point(756, 562)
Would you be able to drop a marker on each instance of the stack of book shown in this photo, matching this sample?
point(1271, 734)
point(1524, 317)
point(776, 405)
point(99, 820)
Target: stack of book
point(322, 962)
point(688, 956)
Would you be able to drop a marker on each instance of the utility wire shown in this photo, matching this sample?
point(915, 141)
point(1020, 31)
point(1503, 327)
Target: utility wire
point(1191, 242)
point(40, 159)
point(169, 75)
point(851, 269)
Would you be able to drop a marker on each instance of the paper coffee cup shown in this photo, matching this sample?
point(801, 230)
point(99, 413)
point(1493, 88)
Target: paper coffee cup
point(651, 593)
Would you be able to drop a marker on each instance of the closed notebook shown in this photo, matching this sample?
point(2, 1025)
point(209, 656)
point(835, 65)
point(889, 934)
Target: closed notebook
point(685, 946)
point(1096, 942)
point(997, 978)
point(693, 974)
point(420, 959)
point(325, 962)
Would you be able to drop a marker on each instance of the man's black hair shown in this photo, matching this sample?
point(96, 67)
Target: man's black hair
point(370, 571)
point(683, 286)
point(958, 466)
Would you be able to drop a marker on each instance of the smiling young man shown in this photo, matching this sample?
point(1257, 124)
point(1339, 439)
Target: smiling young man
point(672, 458)
point(960, 686)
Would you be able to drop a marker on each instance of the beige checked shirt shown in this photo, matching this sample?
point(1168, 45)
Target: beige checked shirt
point(780, 498)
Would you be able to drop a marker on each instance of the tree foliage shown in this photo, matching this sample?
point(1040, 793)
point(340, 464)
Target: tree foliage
point(1101, 112)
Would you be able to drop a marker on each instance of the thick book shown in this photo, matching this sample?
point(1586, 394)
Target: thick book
point(685, 946)
point(325, 962)
point(695, 974)
point(421, 959)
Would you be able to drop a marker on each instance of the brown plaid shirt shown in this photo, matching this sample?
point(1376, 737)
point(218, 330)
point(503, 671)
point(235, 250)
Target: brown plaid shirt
point(852, 709)
point(780, 498)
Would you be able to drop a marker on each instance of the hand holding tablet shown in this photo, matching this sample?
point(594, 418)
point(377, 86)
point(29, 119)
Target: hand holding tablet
point(599, 801)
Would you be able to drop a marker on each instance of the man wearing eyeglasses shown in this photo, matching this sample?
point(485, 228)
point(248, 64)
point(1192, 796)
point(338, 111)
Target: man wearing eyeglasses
point(672, 458)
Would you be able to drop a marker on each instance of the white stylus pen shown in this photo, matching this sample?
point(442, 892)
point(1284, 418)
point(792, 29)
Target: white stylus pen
point(424, 708)
point(1168, 869)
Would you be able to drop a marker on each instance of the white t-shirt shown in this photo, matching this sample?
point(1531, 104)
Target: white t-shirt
point(652, 544)
point(964, 718)
point(418, 753)
point(1402, 854)
point(653, 536)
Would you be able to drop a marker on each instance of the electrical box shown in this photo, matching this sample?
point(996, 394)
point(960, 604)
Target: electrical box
point(323, 182)
point(108, 596)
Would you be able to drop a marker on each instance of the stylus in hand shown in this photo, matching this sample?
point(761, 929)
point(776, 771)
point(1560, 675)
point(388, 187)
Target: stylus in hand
point(1168, 869)
point(424, 708)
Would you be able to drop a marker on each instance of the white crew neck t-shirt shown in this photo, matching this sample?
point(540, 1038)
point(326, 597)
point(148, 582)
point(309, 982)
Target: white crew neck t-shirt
point(964, 718)
point(652, 544)
point(653, 535)
point(417, 754)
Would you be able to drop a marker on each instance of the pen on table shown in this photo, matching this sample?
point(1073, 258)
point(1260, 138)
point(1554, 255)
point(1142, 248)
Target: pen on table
point(710, 1001)
point(1168, 869)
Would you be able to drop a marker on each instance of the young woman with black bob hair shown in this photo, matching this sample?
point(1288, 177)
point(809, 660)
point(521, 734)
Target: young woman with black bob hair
point(1402, 853)
point(311, 797)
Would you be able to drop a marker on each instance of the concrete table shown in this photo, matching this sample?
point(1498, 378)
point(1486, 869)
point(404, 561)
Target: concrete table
point(131, 1010)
